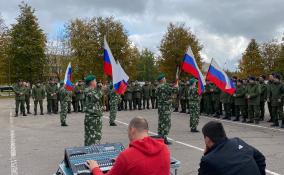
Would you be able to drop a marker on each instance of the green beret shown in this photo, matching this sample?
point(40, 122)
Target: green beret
point(61, 82)
point(89, 78)
point(191, 81)
point(160, 77)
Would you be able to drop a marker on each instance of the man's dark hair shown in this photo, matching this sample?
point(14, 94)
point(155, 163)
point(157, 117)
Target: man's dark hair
point(139, 123)
point(214, 130)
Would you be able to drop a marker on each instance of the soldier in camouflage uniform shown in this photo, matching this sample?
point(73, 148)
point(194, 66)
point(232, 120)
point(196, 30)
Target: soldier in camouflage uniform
point(240, 101)
point(263, 96)
point(93, 112)
point(269, 84)
point(79, 96)
point(215, 91)
point(164, 93)
point(52, 101)
point(27, 96)
point(154, 101)
point(194, 105)
point(137, 96)
point(226, 99)
point(253, 96)
point(128, 98)
point(105, 91)
point(65, 97)
point(182, 96)
point(113, 103)
point(146, 91)
point(175, 101)
point(275, 95)
point(208, 105)
point(38, 94)
point(19, 90)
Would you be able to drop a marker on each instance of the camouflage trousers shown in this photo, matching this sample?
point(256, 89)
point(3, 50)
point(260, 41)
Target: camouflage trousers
point(40, 102)
point(93, 129)
point(63, 111)
point(194, 109)
point(112, 112)
point(253, 112)
point(277, 113)
point(164, 120)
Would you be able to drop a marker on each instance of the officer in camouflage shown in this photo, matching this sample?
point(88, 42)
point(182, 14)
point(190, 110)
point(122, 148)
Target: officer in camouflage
point(275, 95)
point(51, 92)
point(194, 105)
point(65, 96)
point(113, 104)
point(253, 97)
point(137, 96)
point(93, 112)
point(263, 96)
point(38, 94)
point(19, 90)
point(240, 101)
point(182, 96)
point(164, 93)
point(146, 91)
point(27, 96)
point(79, 96)
point(127, 98)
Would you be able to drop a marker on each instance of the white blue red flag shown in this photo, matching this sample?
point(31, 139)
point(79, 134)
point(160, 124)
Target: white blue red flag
point(217, 76)
point(120, 79)
point(108, 59)
point(190, 66)
point(68, 77)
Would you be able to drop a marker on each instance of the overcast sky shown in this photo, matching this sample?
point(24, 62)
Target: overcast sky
point(224, 27)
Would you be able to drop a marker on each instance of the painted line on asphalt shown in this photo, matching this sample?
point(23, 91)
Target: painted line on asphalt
point(14, 163)
point(185, 144)
point(246, 124)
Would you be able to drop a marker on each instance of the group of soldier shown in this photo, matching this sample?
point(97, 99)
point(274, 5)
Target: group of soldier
point(92, 97)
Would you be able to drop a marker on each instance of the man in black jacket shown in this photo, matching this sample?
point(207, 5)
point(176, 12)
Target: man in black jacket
point(224, 156)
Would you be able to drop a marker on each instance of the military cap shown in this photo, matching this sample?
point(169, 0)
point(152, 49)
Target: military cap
point(161, 76)
point(192, 80)
point(89, 78)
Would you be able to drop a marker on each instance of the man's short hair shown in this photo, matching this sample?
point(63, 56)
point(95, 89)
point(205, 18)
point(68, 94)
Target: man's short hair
point(214, 130)
point(139, 123)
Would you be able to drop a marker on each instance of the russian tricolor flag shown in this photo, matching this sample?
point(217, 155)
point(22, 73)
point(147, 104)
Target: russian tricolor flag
point(68, 77)
point(114, 69)
point(217, 76)
point(108, 59)
point(190, 66)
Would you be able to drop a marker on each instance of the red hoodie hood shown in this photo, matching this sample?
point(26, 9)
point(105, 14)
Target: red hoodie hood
point(148, 145)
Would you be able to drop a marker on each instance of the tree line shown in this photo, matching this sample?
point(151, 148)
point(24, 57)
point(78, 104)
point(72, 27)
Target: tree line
point(26, 53)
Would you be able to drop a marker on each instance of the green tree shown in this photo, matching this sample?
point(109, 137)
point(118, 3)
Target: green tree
point(173, 47)
point(27, 46)
point(279, 62)
point(270, 52)
point(251, 64)
point(4, 63)
point(147, 68)
point(87, 43)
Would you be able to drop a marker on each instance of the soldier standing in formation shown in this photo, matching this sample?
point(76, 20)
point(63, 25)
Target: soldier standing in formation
point(27, 96)
point(253, 97)
point(113, 104)
point(182, 96)
point(164, 94)
point(146, 91)
point(38, 95)
point(137, 96)
point(225, 98)
point(215, 91)
point(275, 96)
point(65, 97)
point(194, 105)
point(127, 98)
point(263, 96)
point(93, 112)
point(52, 101)
point(240, 101)
point(19, 90)
point(79, 96)
point(154, 95)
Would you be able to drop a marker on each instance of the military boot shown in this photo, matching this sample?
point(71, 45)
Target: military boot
point(24, 114)
point(275, 124)
point(16, 115)
point(166, 141)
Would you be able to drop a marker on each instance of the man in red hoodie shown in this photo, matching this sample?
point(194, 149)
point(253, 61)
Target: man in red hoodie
point(145, 155)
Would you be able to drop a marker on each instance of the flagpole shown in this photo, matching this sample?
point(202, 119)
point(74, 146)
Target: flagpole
point(208, 68)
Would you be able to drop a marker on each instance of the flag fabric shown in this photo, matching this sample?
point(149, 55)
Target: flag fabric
point(68, 77)
point(120, 79)
point(190, 66)
point(217, 76)
point(108, 59)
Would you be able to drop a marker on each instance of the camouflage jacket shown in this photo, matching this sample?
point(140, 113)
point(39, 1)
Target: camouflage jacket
point(65, 95)
point(19, 92)
point(164, 94)
point(38, 93)
point(93, 101)
point(193, 95)
point(114, 97)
